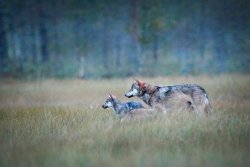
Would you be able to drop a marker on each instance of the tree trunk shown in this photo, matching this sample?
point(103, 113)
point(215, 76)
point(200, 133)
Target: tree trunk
point(221, 52)
point(202, 36)
point(188, 64)
point(56, 55)
point(43, 34)
point(155, 48)
point(118, 52)
point(81, 40)
point(85, 49)
point(135, 44)
point(3, 38)
point(105, 46)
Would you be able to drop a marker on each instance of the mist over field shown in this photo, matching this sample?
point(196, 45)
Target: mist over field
point(59, 60)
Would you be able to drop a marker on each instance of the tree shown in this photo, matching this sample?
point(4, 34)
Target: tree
point(134, 35)
point(43, 32)
point(3, 37)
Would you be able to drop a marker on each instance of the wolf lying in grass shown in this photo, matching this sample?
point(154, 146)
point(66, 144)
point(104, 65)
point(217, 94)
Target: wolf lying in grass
point(190, 96)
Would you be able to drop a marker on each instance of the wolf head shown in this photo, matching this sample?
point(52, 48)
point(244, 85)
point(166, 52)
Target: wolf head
point(109, 103)
point(137, 89)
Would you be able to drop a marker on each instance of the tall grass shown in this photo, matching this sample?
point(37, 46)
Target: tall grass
point(60, 123)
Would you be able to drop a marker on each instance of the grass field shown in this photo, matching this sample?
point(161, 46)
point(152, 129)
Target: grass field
point(61, 123)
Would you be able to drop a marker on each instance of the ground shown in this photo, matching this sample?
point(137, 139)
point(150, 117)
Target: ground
point(61, 123)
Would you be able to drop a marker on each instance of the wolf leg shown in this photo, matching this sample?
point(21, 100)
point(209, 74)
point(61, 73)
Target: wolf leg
point(160, 108)
point(126, 118)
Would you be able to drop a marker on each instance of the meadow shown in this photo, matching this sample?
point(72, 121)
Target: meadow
point(61, 123)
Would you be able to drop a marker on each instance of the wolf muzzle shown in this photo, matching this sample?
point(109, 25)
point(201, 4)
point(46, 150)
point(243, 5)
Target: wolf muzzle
point(129, 96)
point(104, 107)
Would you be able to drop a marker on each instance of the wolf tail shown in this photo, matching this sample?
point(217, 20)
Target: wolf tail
point(208, 108)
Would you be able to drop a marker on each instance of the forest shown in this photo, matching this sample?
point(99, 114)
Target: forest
point(118, 38)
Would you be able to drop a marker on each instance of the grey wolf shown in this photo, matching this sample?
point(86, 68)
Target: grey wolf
point(190, 96)
point(121, 109)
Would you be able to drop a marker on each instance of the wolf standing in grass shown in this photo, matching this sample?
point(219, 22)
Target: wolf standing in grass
point(190, 96)
point(121, 109)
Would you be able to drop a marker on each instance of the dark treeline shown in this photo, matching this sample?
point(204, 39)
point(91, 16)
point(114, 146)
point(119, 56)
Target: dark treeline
point(118, 38)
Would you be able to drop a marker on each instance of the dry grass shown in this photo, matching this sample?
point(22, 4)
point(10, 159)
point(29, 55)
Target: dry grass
point(60, 123)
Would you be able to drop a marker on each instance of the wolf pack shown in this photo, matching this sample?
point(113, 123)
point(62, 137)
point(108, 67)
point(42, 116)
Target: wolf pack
point(159, 99)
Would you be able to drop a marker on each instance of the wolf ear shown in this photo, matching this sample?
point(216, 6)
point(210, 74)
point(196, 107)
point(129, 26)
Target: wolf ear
point(112, 96)
point(140, 83)
point(137, 81)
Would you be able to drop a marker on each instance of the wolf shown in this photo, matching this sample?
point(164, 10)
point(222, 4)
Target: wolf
point(121, 109)
point(189, 96)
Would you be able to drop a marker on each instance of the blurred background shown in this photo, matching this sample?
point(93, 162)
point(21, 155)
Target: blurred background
point(121, 38)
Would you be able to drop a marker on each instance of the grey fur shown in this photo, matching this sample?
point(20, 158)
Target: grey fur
point(121, 109)
point(191, 95)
